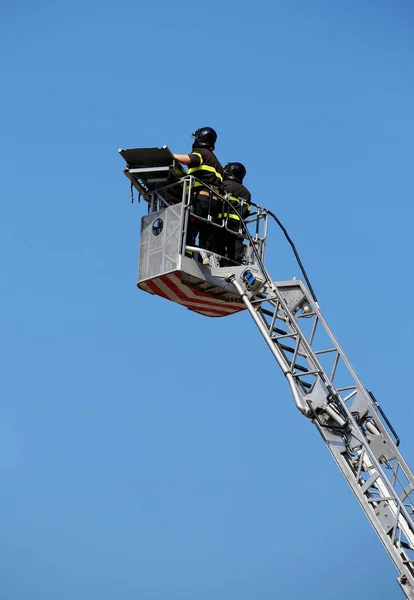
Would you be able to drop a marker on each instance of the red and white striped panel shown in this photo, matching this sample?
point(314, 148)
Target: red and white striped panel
point(170, 287)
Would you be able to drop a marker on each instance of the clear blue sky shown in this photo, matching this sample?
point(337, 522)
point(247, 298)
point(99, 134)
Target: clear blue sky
point(142, 445)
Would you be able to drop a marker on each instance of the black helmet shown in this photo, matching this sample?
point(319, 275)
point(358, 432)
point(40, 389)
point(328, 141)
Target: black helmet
point(236, 171)
point(205, 137)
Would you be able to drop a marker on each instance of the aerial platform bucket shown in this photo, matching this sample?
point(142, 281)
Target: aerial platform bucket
point(163, 271)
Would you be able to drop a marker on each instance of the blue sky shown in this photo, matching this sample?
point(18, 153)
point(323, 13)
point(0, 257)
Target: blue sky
point(145, 451)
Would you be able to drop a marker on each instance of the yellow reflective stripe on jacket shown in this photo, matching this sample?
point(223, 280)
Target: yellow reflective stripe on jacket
point(239, 201)
point(205, 168)
point(198, 154)
point(230, 216)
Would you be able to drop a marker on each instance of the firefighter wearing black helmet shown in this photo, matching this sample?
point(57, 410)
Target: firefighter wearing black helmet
point(203, 164)
point(239, 197)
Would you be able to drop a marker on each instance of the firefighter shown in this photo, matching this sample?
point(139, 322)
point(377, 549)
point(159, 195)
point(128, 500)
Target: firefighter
point(203, 164)
point(239, 197)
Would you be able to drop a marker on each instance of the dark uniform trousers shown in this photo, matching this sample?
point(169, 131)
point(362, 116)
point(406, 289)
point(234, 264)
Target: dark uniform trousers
point(232, 245)
point(236, 210)
point(205, 203)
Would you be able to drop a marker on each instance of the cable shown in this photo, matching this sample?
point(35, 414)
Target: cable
point(302, 268)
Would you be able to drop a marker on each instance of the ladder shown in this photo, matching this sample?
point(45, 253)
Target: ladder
point(327, 390)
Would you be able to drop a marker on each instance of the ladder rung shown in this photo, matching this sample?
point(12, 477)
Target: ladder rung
point(301, 368)
point(308, 373)
point(286, 335)
point(290, 349)
point(275, 329)
point(370, 483)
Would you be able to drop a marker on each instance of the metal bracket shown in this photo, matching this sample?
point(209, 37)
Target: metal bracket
point(380, 447)
point(385, 516)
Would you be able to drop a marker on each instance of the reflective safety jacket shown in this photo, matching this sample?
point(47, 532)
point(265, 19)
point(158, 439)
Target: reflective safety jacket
point(239, 197)
point(205, 166)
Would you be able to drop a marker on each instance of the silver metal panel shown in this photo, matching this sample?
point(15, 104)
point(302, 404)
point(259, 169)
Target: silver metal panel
point(385, 516)
point(381, 447)
point(293, 296)
point(158, 254)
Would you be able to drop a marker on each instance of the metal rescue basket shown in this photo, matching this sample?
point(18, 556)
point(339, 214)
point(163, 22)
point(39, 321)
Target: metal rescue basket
point(164, 269)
